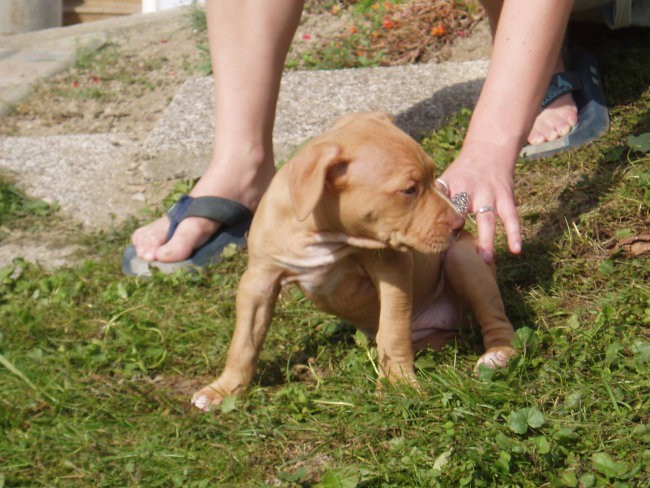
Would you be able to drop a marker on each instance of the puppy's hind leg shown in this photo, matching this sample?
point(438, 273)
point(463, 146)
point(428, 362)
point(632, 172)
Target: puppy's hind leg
point(475, 283)
point(256, 297)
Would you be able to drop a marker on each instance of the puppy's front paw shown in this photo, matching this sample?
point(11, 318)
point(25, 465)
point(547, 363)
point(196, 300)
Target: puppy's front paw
point(207, 397)
point(495, 357)
point(398, 374)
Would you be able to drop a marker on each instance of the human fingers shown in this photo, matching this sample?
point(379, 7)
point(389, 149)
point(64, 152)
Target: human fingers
point(486, 221)
point(486, 217)
point(510, 219)
point(442, 186)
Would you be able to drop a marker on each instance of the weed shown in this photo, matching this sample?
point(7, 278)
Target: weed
point(197, 20)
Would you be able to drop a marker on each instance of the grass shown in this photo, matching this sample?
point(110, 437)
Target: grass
point(96, 369)
point(15, 206)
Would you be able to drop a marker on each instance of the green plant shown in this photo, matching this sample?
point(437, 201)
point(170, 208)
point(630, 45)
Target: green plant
point(444, 144)
point(15, 205)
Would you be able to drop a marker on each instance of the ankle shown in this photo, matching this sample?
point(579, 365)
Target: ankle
point(242, 178)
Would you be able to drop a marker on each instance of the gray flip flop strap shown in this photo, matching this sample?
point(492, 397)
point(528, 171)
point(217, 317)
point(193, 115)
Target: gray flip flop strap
point(561, 84)
point(215, 208)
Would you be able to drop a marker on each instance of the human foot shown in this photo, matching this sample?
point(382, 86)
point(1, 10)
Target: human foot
point(150, 240)
point(246, 187)
point(555, 120)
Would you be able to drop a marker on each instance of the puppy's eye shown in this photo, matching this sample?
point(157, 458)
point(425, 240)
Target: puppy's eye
point(410, 191)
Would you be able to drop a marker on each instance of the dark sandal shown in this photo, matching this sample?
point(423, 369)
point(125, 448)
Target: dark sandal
point(235, 218)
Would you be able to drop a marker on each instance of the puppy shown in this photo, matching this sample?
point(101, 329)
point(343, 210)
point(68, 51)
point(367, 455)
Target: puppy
point(355, 220)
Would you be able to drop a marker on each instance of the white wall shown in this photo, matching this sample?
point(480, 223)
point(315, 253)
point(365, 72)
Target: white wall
point(156, 5)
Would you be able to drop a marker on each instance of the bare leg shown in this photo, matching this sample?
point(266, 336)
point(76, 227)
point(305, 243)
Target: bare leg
point(249, 41)
point(559, 117)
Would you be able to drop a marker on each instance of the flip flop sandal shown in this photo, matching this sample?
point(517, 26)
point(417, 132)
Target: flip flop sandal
point(236, 221)
point(583, 80)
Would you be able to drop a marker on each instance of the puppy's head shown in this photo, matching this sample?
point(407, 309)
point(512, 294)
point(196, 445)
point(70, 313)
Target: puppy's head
point(368, 179)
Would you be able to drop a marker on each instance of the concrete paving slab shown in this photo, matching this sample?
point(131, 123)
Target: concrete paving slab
point(421, 97)
point(89, 176)
point(22, 68)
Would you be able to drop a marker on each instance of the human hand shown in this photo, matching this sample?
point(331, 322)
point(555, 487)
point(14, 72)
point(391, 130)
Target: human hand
point(485, 172)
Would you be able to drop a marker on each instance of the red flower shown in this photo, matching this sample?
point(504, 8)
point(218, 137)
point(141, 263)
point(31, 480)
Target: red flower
point(306, 37)
point(388, 24)
point(75, 84)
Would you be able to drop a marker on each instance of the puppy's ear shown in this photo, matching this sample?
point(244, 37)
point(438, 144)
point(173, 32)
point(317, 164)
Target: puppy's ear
point(308, 173)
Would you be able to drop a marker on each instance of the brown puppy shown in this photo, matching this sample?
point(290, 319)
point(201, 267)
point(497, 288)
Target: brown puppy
point(356, 221)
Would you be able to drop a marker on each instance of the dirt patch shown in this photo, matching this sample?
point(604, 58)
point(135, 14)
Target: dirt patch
point(124, 87)
point(51, 248)
point(476, 44)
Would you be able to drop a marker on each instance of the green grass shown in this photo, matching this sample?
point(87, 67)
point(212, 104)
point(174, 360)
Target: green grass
point(97, 369)
point(16, 207)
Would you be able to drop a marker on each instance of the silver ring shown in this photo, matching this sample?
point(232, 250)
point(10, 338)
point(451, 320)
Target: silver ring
point(443, 183)
point(461, 202)
point(487, 208)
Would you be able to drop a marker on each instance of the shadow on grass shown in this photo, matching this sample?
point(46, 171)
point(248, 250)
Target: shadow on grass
point(536, 266)
point(278, 368)
point(429, 115)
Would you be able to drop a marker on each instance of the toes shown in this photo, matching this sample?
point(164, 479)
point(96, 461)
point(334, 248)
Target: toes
point(202, 402)
point(554, 121)
point(191, 234)
point(535, 137)
point(566, 121)
point(150, 245)
point(148, 239)
point(497, 357)
point(174, 251)
point(544, 129)
point(206, 398)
